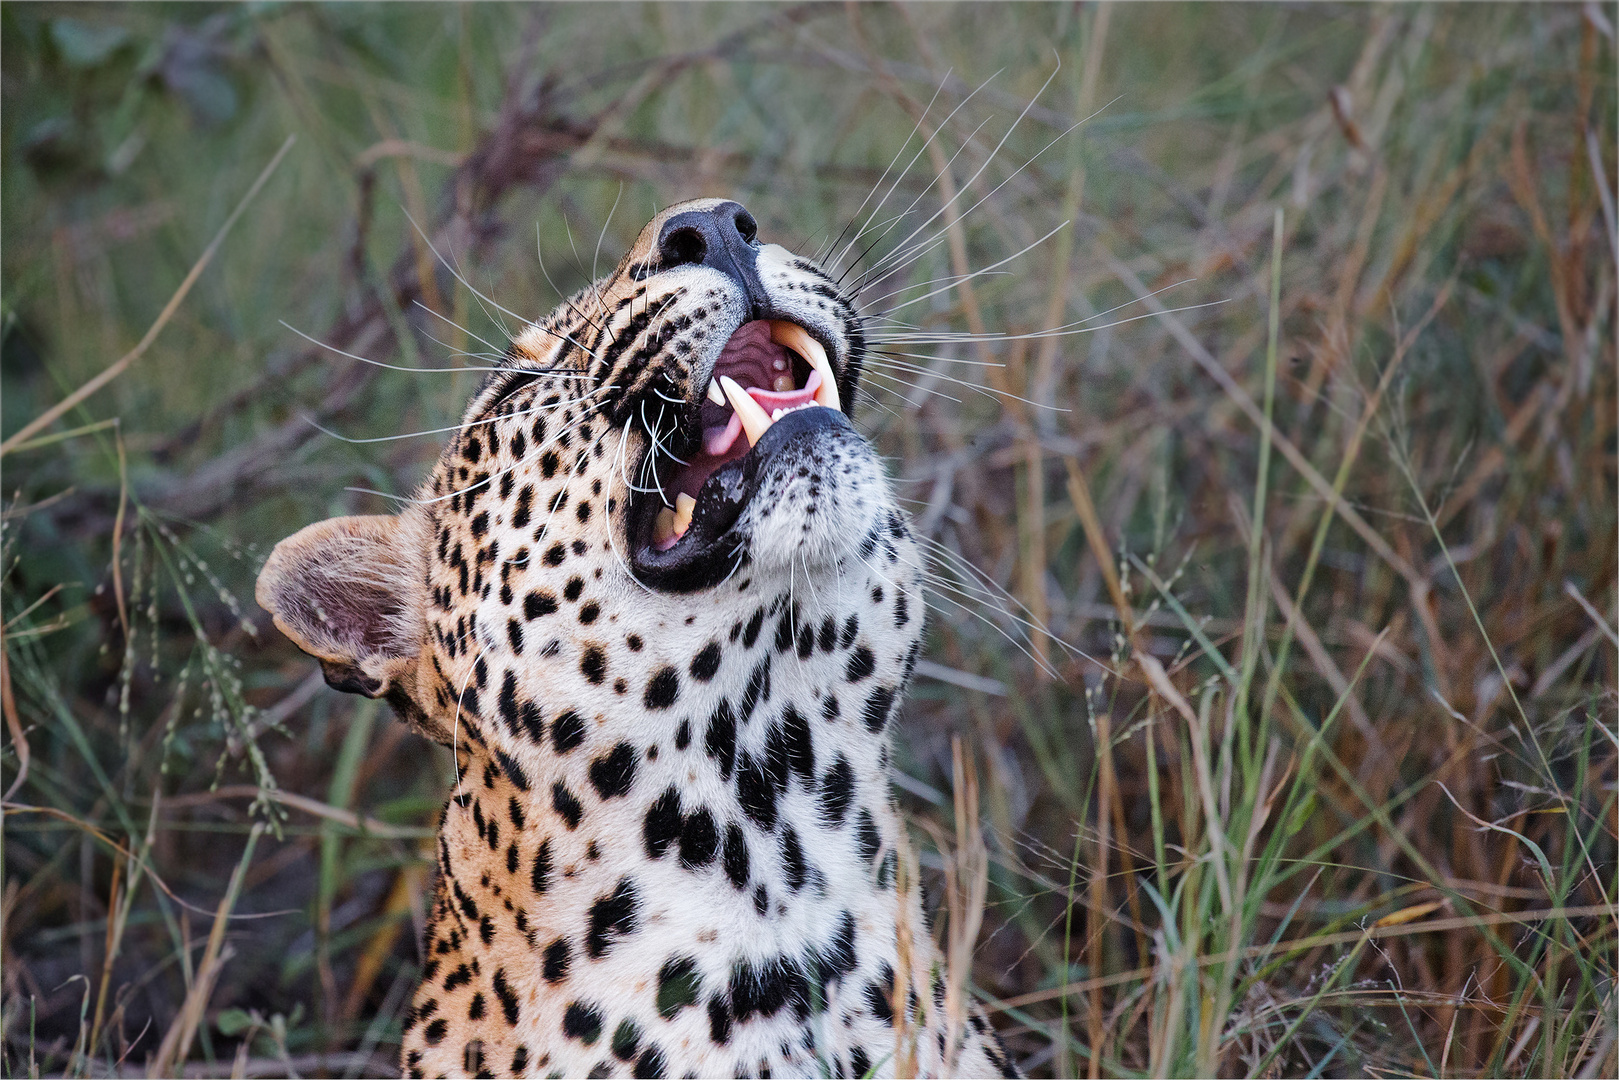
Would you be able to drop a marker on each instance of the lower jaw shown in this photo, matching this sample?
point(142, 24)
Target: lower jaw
point(712, 548)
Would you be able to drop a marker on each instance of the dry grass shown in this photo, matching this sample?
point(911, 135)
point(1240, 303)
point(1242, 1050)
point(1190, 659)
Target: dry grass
point(1295, 721)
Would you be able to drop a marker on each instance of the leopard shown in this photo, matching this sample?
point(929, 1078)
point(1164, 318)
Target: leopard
point(660, 600)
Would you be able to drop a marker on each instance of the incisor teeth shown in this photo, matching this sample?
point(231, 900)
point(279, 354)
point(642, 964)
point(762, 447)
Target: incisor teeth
point(684, 505)
point(755, 421)
point(714, 394)
point(796, 338)
point(663, 527)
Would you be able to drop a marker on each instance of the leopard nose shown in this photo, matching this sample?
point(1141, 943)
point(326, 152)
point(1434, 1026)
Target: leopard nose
point(721, 237)
point(702, 237)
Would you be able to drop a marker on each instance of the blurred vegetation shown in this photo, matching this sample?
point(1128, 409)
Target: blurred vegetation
point(1336, 795)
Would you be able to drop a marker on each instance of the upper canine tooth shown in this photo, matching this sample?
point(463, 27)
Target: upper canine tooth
point(714, 394)
point(796, 338)
point(755, 421)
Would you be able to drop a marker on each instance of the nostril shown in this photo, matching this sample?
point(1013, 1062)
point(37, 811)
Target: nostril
point(682, 246)
point(746, 227)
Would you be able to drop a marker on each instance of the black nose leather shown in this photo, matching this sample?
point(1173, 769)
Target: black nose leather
point(721, 237)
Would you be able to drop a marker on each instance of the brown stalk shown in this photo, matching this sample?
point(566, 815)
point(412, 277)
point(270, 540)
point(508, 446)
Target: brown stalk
point(177, 1041)
point(966, 889)
point(904, 950)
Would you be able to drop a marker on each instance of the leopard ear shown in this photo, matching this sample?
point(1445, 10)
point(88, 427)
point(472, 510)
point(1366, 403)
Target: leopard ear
point(349, 592)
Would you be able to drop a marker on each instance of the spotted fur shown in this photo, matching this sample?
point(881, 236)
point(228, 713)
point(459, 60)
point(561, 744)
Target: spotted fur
point(672, 844)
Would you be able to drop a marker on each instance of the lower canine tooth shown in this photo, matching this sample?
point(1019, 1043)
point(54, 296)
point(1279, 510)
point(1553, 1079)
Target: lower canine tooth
point(714, 394)
point(663, 527)
point(684, 505)
point(755, 421)
point(796, 338)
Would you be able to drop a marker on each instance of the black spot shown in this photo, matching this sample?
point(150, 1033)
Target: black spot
point(593, 665)
point(625, 1039)
point(650, 1063)
point(859, 1063)
point(571, 591)
point(828, 637)
point(486, 929)
point(540, 603)
point(540, 877)
point(880, 995)
point(461, 976)
point(663, 689)
point(861, 663)
point(767, 987)
point(507, 996)
point(613, 774)
point(736, 856)
point(662, 824)
point(776, 758)
point(706, 662)
point(525, 502)
point(582, 1022)
point(720, 741)
point(634, 642)
point(480, 525)
point(475, 1007)
point(719, 1021)
point(678, 985)
point(563, 802)
point(582, 512)
point(683, 735)
point(806, 641)
point(902, 613)
point(515, 811)
point(468, 908)
point(698, 840)
point(792, 859)
point(877, 707)
point(520, 1055)
point(829, 708)
point(612, 917)
point(837, 789)
point(557, 958)
point(757, 690)
point(885, 872)
point(433, 1033)
point(755, 792)
point(514, 634)
point(751, 634)
point(784, 629)
point(867, 836)
point(800, 747)
point(567, 731)
point(589, 612)
point(761, 900)
point(837, 959)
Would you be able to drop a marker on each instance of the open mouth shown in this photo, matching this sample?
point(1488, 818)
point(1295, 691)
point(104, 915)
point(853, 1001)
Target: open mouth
point(770, 370)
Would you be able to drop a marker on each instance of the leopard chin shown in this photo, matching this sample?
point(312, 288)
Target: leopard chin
point(660, 600)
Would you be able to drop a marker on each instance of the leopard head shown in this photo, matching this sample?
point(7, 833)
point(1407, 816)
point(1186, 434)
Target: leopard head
point(662, 463)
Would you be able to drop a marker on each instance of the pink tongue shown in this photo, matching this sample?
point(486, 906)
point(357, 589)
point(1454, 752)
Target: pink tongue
point(720, 439)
